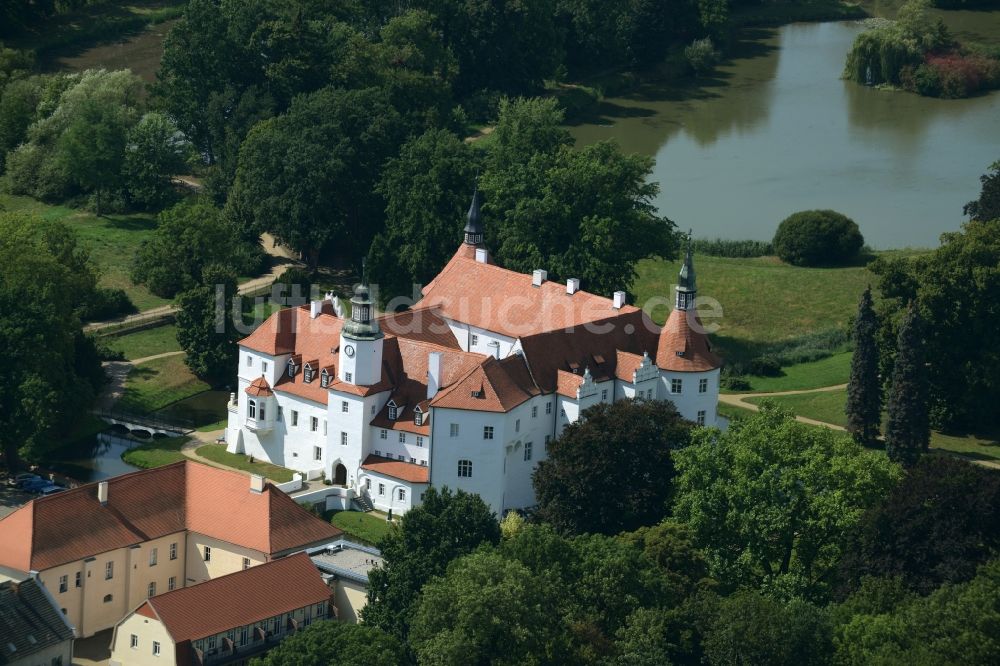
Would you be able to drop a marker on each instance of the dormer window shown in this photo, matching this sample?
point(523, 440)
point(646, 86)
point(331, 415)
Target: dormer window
point(418, 417)
point(393, 411)
point(324, 378)
point(291, 368)
point(307, 376)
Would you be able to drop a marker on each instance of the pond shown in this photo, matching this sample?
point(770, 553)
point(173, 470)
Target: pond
point(97, 459)
point(775, 130)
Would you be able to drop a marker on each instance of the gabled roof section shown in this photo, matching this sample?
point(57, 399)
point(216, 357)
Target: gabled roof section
point(493, 386)
point(397, 469)
point(148, 504)
point(496, 299)
point(683, 346)
point(29, 623)
point(239, 599)
point(594, 347)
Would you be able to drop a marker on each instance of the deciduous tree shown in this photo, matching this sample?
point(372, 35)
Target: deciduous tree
point(444, 527)
point(206, 326)
point(771, 499)
point(332, 642)
point(624, 444)
point(987, 206)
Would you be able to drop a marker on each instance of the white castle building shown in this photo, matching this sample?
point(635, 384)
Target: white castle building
point(465, 389)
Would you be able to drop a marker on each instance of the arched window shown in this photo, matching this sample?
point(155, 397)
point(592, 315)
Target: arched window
point(251, 409)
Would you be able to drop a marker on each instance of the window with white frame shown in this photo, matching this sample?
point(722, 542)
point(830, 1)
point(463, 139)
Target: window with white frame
point(465, 468)
point(534, 411)
point(368, 482)
point(151, 589)
point(246, 563)
point(604, 395)
point(400, 456)
point(171, 583)
point(381, 489)
point(156, 648)
point(487, 432)
point(308, 374)
point(423, 463)
point(173, 551)
point(109, 570)
point(701, 417)
point(134, 641)
point(377, 452)
point(420, 440)
point(454, 430)
point(548, 408)
point(63, 584)
point(402, 438)
point(676, 385)
point(263, 415)
point(251, 409)
point(702, 386)
point(278, 417)
point(402, 494)
point(79, 579)
point(313, 423)
point(295, 418)
point(263, 366)
point(418, 417)
point(348, 377)
point(249, 361)
point(473, 340)
point(527, 450)
point(393, 412)
point(383, 434)
point(517, 425)
point(413, 461)
point(317, 453)
point(324, 378)
point(344, 407)
point(208, 554)
point(343, 438)
point(152, 557)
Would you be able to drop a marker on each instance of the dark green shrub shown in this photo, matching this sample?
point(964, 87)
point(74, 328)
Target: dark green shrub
point(739, 249)
point(735, 382)
point(818, 238)
point(764, 366)
point(106, 303)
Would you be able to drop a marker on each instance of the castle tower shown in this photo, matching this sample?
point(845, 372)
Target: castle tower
point(686, 288)
point(474, 222)
point(361, 341)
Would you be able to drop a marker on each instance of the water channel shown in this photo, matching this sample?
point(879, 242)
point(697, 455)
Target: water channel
point(775, 130)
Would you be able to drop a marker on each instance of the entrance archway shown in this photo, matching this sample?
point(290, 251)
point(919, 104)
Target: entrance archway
point(340, 475)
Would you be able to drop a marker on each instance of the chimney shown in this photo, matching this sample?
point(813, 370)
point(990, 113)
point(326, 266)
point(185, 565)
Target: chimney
point(315, 307)
point(538, 276)
point(433, 373)
point(572, 286)
point(619, 301)
point(482, 255)
point(102, 492)
point(256, 483)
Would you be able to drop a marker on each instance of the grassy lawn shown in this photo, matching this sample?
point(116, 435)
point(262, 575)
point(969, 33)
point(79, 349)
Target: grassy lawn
point(156, 453)
point(828, 407)
point(218, 454)
point(365, 527)
point(762, 300)
point(141, 344)
point(112, 241)
point(156, 384)
point(815, 374)
point(218, 425)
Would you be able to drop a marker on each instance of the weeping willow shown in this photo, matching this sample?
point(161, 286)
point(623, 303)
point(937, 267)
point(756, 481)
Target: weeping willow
point(879, 55)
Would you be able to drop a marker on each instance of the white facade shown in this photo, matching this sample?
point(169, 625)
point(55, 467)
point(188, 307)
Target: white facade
point(491, 451)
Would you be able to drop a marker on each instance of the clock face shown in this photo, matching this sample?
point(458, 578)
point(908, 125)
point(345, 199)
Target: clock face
point(349, 350)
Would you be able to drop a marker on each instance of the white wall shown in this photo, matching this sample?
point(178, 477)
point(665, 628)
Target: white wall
point(487, 455)
point(464, 332)
point(389, 499)
point(690, 401)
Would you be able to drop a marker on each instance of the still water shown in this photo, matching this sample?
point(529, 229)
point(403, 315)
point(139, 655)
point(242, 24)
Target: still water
point(776, 130)
point(98, 459)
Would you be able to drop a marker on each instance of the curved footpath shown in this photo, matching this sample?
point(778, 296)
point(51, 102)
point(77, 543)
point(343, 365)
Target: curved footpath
point(740, 400)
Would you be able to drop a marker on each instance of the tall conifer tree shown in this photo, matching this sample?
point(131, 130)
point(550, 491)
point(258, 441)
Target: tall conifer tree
point(907, 433)
point(864, 392)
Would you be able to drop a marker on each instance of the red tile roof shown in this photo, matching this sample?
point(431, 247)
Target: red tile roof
point(494, 386)
point(260, 388)
point(239, 599)
point(683, 346)
point(397, 469)
point(496, 299)
point(148, 504)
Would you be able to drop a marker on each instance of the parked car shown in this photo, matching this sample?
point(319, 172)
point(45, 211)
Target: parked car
point(32, 478)
point(17, 479)
point(35, 485)
point(50, 490)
